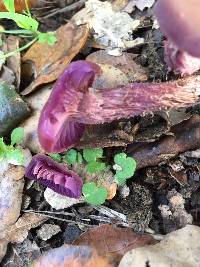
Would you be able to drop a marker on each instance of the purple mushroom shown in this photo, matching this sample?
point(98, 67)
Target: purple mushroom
point(54, 175)
point(73, 104)
point(57, 129)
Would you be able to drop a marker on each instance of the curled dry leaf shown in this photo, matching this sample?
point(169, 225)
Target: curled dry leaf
point(113, 242)
point(50, 61)
point(18, 232)
point(185, 136)
point(20, 5)
point(73, 256)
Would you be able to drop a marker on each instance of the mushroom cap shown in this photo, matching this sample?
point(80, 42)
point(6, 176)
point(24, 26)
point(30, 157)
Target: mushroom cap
point(57, 129)
point(55, 176)
point(180, 22)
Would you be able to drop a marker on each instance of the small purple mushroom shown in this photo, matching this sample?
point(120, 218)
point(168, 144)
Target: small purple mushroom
point(54, 175)
point(57, 129)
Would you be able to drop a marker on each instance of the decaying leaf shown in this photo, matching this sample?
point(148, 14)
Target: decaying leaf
point(50, 61)
point(58, 201)
point(113, 242)
point(116, 70)
point(73, 256)
point(14, 62)
point(112, 29)
point(18, 232)
point(30, 125)
point(13, 109)
point(140, 4)
point(19, 5)
point(184, 136)
point(21, 254)
point(11, 190)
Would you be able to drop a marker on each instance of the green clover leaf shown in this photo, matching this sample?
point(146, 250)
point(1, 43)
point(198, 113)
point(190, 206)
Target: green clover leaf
point(124, 167)
point(92, 154)
point(94, 195)
point(56, 157)
point(47, 37)
point(94, 166)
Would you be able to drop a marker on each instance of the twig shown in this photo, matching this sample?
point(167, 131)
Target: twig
point(66, 9)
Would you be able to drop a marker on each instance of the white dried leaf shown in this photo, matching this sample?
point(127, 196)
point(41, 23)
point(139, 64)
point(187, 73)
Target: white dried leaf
point(58, 201)
point(112, 29)
point(140, 4)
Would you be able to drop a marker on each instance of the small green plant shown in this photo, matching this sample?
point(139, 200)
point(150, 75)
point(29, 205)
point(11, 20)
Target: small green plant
point(56, 157)
point(73, 157)
point(95, 195)
point(125, 168)
point(93, 156)
point(29, 27)
point(10, 153)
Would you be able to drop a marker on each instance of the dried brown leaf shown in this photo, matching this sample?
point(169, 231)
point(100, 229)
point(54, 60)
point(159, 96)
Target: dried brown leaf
point(14, 62)
point(11, 190)
point(113, 242)
point(50, 61)
point(182, 137)
point(19, 5)
point(71, 256)
point(124, 64)
point(18, 232)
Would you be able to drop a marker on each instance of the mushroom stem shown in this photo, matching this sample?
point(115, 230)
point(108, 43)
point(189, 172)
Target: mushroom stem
point(106, 105)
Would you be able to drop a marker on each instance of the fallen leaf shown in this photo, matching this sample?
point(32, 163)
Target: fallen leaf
point(50, 61)
point(19, 5)
point(182, 137)
point(14, 62)
point(18, 232)
point(112, 29)
point(178, 249)
point(58, 201)
point(22, 254)
point(140, 4)
point(30, 125)
point(113, 242)
point(117, 70)
point(73, 256)
point(11, 190)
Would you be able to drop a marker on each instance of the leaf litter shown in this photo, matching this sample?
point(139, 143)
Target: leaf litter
point(163, 194)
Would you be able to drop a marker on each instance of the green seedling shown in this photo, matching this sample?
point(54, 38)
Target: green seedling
point(73, 157)
point(91, 156)
point(56, 157)
point(95, 195)
point(125, 168)
point(10, 153)
point(28, 28)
